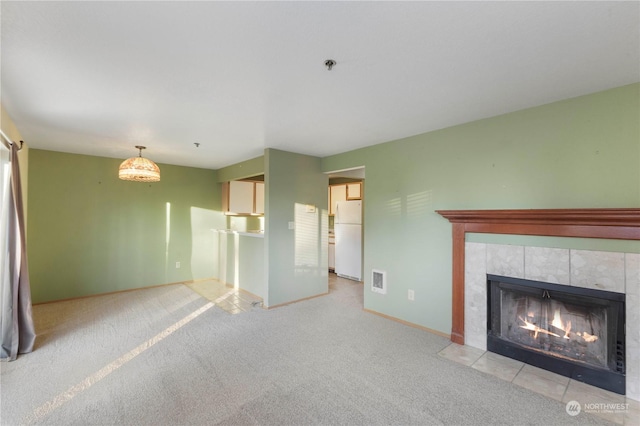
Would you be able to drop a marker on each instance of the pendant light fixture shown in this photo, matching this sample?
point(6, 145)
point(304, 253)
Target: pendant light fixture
point(139, 169)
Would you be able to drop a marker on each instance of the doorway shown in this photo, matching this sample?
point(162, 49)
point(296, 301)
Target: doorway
point(346, 236)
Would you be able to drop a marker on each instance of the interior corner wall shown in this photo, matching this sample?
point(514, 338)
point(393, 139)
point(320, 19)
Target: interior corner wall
point(91, 233)
point(578, 153)
point(296, 260)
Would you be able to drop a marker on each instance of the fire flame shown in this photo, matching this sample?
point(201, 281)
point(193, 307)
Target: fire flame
point(588, 337)
point(530, 326)
point(558, 324)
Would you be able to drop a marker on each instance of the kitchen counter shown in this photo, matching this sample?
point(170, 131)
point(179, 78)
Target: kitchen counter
point(257, 234)
point(241, 260)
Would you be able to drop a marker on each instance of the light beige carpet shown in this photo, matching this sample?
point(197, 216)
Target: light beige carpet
point(167, 356)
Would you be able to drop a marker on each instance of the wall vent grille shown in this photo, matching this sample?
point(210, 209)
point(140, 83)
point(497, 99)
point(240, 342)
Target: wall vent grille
point(378, 281)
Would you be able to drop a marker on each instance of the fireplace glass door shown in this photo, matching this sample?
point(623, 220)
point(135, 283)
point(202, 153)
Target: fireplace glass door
point(571, 331)
point(561, 328)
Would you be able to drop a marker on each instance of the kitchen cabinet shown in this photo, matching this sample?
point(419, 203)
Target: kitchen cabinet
point(343, 192)
point(332, 252)
point(354, 191)
point(336, 193)
point(259, 198)
point(241, 197)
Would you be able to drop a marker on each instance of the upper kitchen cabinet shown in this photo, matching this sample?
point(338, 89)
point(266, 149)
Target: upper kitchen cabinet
point(241, 197)
point(343, 192)
point(259, 198)
point(336, 193)
point(354, 191)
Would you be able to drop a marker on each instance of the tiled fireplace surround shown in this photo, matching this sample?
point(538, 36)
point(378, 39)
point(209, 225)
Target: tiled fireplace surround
point(611, 271)
point(617, 272)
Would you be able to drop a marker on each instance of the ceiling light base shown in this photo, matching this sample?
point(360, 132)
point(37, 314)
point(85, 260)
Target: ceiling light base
point(329, 63)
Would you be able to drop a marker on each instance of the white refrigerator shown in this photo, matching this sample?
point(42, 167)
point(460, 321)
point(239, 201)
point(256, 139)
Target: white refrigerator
point(348, 233)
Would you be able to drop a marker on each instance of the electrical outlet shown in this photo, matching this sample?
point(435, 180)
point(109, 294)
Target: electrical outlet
point(292, 225)
point(411, 295)
point(177, 265)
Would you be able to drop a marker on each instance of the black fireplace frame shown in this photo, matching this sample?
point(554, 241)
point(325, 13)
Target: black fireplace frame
point(612, 378)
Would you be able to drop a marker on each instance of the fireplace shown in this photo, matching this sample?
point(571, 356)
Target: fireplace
point(472, 261)
point(575, 332)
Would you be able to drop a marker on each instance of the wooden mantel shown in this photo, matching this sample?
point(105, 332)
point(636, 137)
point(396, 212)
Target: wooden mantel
point(617, 224)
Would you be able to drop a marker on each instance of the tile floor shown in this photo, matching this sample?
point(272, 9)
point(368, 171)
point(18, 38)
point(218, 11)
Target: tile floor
point(236, 301)
point(232, 300)
point(620, 410)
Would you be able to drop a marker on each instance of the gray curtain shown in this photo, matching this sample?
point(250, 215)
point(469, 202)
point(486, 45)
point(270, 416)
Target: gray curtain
point(18, 332)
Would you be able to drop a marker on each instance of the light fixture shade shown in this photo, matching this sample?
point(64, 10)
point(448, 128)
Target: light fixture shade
point(139, 169)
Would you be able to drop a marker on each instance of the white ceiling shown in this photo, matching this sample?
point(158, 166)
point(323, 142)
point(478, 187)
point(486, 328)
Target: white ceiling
point(237, 77)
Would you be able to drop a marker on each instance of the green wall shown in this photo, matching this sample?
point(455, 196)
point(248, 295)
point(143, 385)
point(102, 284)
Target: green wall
point(91, 233)
point(296, 260)
point(582, 152)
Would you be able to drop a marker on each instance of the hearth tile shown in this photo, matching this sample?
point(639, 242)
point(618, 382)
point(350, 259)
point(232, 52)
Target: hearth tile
point(547, 264)
point(632, 271)
point(475, 259)
point(632, 415)
point(546, 374)
point(610, 416)
point(461, 354)
point(540, 384)
point(633, 346)
point(600, 270)
point(593, 400)
point(505, 260)
point(475, 295)
point(497, 365)
point(591, 394)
